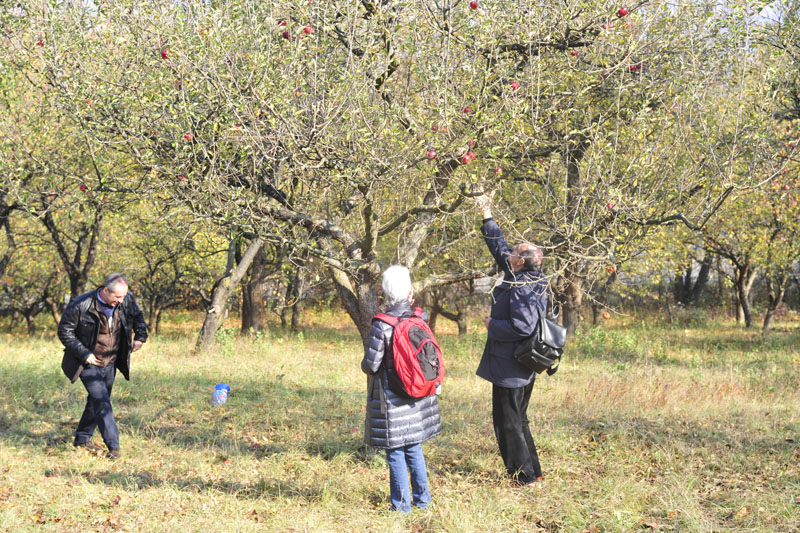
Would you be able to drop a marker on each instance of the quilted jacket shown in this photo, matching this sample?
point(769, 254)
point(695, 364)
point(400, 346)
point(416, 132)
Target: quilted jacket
point(392, 420)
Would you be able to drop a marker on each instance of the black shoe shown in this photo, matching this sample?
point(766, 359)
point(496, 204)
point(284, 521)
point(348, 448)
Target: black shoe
point(88, 445)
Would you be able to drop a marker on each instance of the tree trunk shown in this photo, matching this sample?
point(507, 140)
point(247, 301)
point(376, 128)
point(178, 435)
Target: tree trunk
point(157, 324)
point(55, 312)
point(219, 301)
point(745, 276)
point(571, 295)
point(702, 280)
point(359, 296)
point(253, 303)
point(462, 323)
point(30, 321)
point(287, 297)
point(299, 284)
point(777, 289)
point(432, 317)
point(571, 299)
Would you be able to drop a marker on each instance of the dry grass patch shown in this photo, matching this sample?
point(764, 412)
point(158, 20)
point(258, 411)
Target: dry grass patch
point(643, 428)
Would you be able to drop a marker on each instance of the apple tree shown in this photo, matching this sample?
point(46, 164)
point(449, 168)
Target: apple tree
point(355, 134)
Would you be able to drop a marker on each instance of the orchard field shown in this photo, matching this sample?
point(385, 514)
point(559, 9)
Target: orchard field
point(645, 427)
point(253, 167)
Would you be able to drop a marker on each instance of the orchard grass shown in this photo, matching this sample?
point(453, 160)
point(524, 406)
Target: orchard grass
point(645, 427)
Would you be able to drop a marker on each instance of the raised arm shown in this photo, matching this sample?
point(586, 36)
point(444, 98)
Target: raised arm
point(494, 238)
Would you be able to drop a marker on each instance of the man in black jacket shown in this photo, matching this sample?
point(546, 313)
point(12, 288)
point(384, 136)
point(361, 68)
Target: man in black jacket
point(96, 330)
point(513, 318)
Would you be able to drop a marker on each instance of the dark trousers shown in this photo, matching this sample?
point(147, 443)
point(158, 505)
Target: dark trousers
point(511, 427)
point(98, 413)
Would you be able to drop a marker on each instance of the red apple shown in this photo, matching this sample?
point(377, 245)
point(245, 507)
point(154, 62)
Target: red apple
point(471, 155)
point(786, 187)
point(297, 94)
point(466, 158)
point(611, 269)
point(622, 12)
point(40, 42)
point(282, 22)
point(467, 110)
point(473, 5)
point(606, 315)
point(610, 205)
point(514, 86)
point(498, 171)
point(574, 53)
point(188, 136)
point(286, 35)
point(540, 160)
point(308, 29)
point(164, 53)
point(182, 177)
point(434, 128)
point(431, 154)
point(83, 187)
point(471, 143)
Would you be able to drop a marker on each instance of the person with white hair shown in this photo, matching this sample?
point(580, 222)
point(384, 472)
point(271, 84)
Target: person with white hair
point(393, 422)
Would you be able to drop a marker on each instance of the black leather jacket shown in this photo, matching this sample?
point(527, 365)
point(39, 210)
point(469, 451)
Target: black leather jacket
point(78, 329)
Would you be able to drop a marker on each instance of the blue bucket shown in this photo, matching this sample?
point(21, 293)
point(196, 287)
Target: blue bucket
point(220, 395)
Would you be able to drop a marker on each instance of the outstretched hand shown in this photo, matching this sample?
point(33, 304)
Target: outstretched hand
point(484, 203)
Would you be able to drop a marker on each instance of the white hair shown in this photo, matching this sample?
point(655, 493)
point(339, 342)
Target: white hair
point(396, 284)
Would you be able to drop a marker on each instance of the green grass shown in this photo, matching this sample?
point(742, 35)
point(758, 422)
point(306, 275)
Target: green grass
point(644, 427)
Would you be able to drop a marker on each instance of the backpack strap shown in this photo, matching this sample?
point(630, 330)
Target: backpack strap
point(383, 317)
point(394, 320)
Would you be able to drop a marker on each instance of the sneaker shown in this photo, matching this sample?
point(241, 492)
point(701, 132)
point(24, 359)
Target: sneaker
point(88, 445)
point(535, 484)
point(114, 454)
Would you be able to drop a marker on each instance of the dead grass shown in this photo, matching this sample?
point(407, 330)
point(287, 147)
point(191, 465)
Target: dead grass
point(643, 428)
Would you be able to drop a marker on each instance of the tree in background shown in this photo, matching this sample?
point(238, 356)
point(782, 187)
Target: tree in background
point(354, 134)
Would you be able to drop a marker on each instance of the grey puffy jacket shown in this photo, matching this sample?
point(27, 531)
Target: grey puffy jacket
point(392, 420)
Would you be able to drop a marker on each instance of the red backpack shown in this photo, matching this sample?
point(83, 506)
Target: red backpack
point(418, 365)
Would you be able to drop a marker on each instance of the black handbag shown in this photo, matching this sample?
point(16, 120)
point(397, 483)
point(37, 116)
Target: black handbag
point(542, 351)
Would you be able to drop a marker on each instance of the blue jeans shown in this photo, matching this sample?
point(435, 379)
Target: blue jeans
point(402, 461)
point(98, 413)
